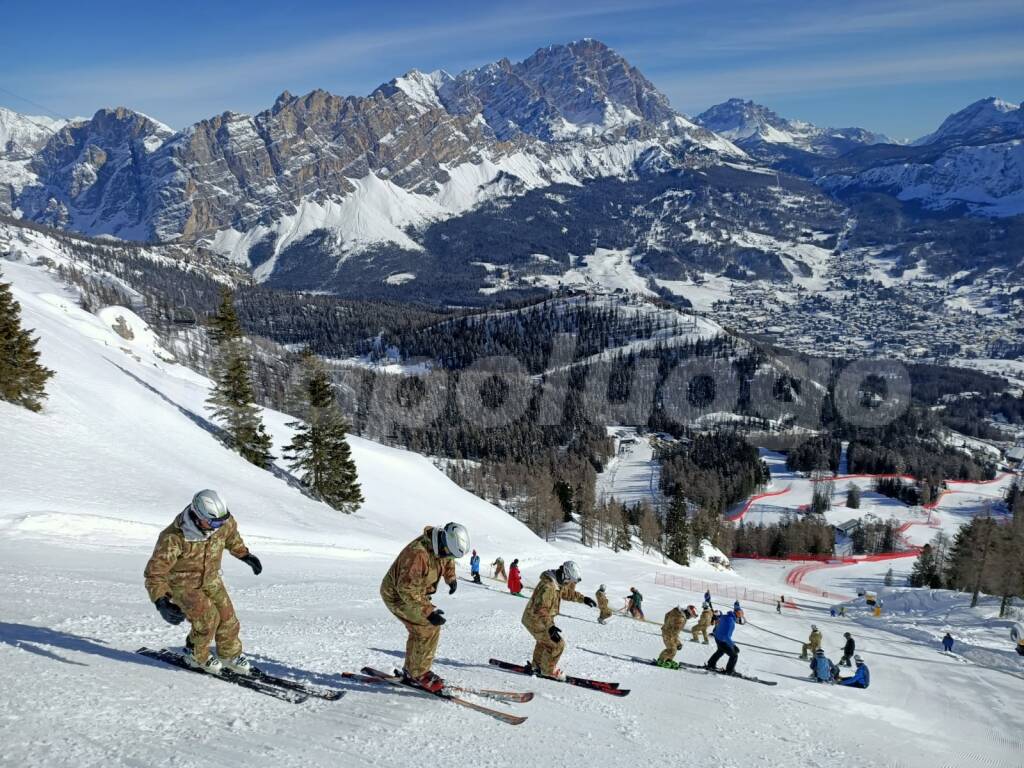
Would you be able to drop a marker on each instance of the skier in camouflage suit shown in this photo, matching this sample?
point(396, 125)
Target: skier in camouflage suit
point(604, 609)
point(539, 616)
point(675, 622)
point(183, 581)
point(407, 589)
point(701, 627)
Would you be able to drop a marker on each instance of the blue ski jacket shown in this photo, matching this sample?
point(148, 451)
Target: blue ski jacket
point(724, 628)
point(860, 679)
point(474, 564)
point(822, 668)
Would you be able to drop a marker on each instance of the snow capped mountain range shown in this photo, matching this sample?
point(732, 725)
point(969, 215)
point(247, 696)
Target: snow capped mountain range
point(747, 123)
point(565, 152)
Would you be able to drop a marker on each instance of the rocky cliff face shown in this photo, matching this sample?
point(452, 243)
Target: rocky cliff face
point(567, 113)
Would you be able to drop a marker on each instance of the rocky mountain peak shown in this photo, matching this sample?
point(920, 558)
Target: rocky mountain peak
point(989, 119)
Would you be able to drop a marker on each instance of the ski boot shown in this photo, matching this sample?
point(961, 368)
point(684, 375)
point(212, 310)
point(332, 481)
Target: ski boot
point(428, 681)
point(556, 674)
point(212, 665)
point(239, 664)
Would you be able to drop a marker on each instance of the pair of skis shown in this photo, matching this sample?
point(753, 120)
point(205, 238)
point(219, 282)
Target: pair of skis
point(376, 677)
point(582, 682)
point(292, 691)
point(296, 692)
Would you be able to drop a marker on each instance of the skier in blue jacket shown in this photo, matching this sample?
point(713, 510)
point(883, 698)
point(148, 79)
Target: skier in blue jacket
point(474, 567)
point(822, 668)
point(724, 644)
point(947, 643)
point(861, 678)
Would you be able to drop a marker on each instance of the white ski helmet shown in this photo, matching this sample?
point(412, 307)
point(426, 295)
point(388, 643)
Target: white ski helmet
point(571, 572)
point(450, 541)
point(209, 507)
point(814, 627)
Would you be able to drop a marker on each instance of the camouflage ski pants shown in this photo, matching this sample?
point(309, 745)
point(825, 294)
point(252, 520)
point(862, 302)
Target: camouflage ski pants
point(212, 616)
point(671, 640)
point(700, 629)
point(420, 647)
point(604, 614)
point(546, 652)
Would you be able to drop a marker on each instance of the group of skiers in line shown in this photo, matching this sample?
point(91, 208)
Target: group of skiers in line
point(183, 580)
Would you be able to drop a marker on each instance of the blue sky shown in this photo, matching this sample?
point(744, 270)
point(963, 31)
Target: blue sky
point(897, 67)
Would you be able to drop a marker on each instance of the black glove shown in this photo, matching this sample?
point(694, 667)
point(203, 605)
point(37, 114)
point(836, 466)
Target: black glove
point(452, 587)
point(253, 562)
point(589, 602)
point(436, 617)
point(171, 613)
point(555, 634)
point(679, 646)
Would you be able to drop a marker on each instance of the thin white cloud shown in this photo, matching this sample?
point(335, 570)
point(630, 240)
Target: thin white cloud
point(992, 57)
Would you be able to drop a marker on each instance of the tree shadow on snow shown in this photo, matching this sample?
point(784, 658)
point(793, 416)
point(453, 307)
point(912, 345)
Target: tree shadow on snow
point(219, 433)
point(33, 639)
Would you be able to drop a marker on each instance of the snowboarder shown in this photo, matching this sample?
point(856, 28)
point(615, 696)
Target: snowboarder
point(602, 605)
point(634, 602)
point(813, 642)
point(407, 588)
point(539, 617)
point(515, 580)
point(724, 644)
point(822, 668)
point(947, 643)
point(848, 650)
point(474, 567)
point(842, 611)
point(861, 678)
point(183, 581)
point(701, 627)
point(675, 622)
point(832, 611)
point(740, 616)
point(707, 596)
point(778, 606)
point(499, 569)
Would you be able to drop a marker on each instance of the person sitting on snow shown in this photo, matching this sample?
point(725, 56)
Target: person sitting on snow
point(861, 678)
point(822, 668)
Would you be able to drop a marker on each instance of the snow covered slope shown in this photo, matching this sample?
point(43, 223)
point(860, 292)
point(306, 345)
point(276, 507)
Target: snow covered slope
point(121, 445)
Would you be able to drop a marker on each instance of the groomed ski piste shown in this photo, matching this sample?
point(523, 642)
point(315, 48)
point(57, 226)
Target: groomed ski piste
point(123, 443)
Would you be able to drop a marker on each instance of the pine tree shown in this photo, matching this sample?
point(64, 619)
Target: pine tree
point(319, 449)
point(853, 496)
point(623, 536)
point(22, 378)
point(232, 405)
point(677, 526)
point(225, 325)
point(925, 572)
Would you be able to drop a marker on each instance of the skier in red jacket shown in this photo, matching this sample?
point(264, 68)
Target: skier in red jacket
point(515, 580)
